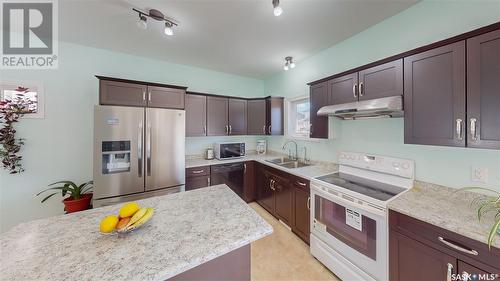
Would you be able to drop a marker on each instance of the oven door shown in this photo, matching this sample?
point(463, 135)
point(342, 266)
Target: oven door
point(357, 232)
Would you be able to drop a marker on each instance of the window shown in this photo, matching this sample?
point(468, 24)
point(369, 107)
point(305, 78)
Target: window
point(298, 117)
point(32, 92)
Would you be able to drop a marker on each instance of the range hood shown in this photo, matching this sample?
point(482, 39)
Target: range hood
point(375, 108)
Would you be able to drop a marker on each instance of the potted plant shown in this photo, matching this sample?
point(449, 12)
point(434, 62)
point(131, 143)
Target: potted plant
point(79, 195)
point(487, 204)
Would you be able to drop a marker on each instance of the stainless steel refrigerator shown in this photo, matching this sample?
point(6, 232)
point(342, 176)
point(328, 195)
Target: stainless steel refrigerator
point(138, 153)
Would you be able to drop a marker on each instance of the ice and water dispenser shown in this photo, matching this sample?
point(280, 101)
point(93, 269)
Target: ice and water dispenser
point(115, 157)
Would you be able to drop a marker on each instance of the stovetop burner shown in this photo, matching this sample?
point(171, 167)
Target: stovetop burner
point(374, 189)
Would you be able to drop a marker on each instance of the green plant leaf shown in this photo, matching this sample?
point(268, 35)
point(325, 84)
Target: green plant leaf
point(65, 182)
point(493, 232)
point(44, 199)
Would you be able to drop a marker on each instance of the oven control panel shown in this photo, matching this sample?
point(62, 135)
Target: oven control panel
point(389, 165)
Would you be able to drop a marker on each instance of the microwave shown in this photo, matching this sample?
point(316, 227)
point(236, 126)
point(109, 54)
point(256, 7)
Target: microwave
point(229, 150)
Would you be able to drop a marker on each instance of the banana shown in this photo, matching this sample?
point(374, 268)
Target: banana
point(142, 220)
point(137, 216)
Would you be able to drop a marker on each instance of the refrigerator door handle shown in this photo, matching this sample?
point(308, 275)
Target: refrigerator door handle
point(148, 150)
point(139, 149)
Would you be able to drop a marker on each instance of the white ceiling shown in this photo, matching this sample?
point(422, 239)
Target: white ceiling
point(234, 36)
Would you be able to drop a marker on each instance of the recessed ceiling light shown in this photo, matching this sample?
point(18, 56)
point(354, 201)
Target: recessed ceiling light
point(277, 9)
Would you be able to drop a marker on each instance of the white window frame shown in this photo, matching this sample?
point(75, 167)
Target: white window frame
point(290, 119)
point(11, 85)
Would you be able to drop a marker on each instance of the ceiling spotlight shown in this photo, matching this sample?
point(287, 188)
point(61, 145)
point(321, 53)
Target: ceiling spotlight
point(289, 63)
point(277, 9)
point(156, 15)
point(142, 22)
point(168, 29)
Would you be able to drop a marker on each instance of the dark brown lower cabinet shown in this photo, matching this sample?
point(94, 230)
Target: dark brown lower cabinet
point(301, 208)
point(420, 251)
point(286, 197)
point(249, 181)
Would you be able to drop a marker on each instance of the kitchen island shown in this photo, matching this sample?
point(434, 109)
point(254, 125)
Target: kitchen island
point(203, 233)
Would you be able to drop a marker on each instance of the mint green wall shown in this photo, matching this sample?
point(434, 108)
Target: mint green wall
point(60, 145)
point(421, 24)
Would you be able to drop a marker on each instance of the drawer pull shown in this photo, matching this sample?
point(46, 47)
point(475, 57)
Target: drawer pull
point(301, 183)
point(458, 248)
point(198, 172)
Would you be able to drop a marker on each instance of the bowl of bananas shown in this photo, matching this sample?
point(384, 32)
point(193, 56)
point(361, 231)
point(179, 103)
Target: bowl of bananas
point(130, 217)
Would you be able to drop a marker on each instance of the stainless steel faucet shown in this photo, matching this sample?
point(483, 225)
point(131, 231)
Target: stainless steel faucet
point(296, 153)
point(305, 155)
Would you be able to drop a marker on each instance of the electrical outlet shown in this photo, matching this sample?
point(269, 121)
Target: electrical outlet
point(479, 174)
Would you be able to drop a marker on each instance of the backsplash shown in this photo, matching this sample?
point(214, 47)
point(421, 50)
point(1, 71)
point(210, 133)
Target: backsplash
point(196, 146)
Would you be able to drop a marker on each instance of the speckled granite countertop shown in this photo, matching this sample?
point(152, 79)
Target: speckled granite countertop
point(187, 229)
point(316, 169)
point(444, 207)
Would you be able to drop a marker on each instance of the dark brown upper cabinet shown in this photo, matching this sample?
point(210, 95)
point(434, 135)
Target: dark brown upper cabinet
point(237, 117)
point(256, 120)
point(196, 115)
point(115, 91)
point(166, 97)
point(318, 97)
point(217, 116)
point(274, 116)
point(483, 91)
point(343, 89)
point(434, 99)
point(122, 93)
point(381, 81)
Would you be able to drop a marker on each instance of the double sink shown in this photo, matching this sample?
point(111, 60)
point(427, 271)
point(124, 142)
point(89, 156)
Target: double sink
point(289, 163)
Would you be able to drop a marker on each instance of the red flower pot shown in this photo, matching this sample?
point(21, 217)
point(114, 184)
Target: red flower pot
point(71, 205)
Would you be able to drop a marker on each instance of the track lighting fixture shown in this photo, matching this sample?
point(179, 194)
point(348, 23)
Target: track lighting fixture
point(277, 9)
point(156, 15)
point(168, 29)
point(289, 63)
point(142, 22)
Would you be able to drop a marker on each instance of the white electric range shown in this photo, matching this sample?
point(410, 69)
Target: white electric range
point(349, 216)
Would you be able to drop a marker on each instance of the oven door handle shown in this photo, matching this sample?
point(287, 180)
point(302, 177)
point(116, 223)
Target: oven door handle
point(345, 202)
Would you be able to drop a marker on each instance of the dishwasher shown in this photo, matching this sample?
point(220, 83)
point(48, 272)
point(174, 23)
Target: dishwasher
point(230, 174)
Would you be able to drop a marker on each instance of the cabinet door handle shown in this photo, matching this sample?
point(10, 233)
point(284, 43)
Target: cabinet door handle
point(205, 129)
point(244, 168)
point(301, 183)
point(449, 272)
point(473, 129)
point(208, 181)
point(149, 97)
point(198, 172)
point(458, 128)
point(361, 88)
point(354, 92)
point(230, 129)
point(308, 204)
point(144, 96)
point(456, 247)
point(264, 129)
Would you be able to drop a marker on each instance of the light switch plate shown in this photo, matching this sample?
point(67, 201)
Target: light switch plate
point(479, 174)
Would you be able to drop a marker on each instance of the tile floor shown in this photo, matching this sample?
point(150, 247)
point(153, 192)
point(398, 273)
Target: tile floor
point(284, 256)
